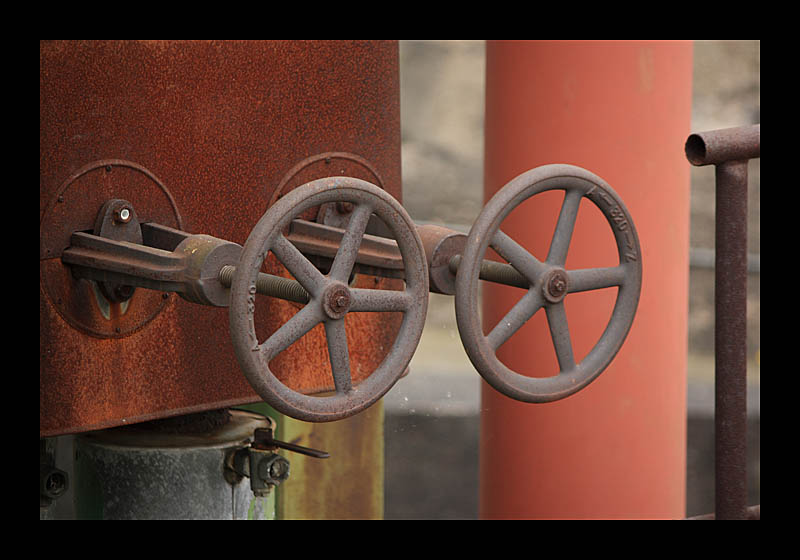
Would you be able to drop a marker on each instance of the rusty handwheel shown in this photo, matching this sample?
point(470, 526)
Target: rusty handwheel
point(330, 299)
point(549, 283)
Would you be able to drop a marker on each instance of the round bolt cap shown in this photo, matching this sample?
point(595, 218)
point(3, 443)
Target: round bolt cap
point(336, 301)
point(555, 286)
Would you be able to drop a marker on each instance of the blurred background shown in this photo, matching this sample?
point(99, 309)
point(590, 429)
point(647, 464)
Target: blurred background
point(432, 415)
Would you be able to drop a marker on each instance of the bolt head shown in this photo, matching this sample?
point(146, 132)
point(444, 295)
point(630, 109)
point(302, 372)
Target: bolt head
point(279, 469)
point(273, 469)
point(123, 292)
point(336, 301)
point(122, 215)
point(555, 286)
point(54, 482)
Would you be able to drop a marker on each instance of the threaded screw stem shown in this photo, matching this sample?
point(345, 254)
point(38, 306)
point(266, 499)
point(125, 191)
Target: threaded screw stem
point(269, 285)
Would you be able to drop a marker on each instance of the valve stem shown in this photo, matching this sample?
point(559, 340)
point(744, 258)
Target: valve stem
point(499, 273)
point(269, 285)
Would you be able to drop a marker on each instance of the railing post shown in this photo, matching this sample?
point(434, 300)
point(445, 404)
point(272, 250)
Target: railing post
point(729, 150)
point(730, 341)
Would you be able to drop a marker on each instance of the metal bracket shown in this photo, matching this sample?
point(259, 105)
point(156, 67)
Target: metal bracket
point(166, 259)
point(261, 464)
point(122, 254)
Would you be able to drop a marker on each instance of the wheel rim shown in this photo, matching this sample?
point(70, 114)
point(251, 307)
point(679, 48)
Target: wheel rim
point(549, 283)
point(330, 299)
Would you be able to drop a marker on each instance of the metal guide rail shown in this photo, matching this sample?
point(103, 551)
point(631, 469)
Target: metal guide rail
point(121, 255)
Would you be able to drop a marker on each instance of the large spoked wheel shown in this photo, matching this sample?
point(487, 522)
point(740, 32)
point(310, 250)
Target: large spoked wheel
point(549, 283)
point(330, 299)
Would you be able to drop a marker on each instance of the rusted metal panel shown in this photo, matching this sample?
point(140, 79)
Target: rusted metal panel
point(200, 136)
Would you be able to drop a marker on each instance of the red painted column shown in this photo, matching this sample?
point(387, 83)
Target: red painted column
point(622, 110)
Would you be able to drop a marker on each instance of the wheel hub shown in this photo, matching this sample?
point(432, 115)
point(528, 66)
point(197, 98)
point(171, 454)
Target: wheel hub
point(555, 286)
point(336, 301)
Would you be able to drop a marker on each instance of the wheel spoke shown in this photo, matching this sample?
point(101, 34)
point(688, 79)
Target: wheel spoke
point(587, 279)
point(564, 227)
point(296, 263)
point(291, 331)
point(518, 257)
point(559, 331)
point(351, 241)
point(339, 355)
point(379, 300)
point(523, 310)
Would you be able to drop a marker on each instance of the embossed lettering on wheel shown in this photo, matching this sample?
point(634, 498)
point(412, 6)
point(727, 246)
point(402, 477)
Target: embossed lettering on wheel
point(331, 299)
point(549, 283)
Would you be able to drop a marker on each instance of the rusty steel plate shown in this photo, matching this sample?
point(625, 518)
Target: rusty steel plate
point(220, 125)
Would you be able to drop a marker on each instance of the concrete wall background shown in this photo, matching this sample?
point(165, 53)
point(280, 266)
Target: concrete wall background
point(431, 424)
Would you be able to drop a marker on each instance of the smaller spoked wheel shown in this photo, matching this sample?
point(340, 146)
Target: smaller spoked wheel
point(549, 283)
point(330, 299)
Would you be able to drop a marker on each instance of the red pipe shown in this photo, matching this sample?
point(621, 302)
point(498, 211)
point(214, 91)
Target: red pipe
point(617, 449)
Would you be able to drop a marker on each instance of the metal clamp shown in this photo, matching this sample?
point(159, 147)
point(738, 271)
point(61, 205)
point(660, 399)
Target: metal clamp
point(260, 462)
